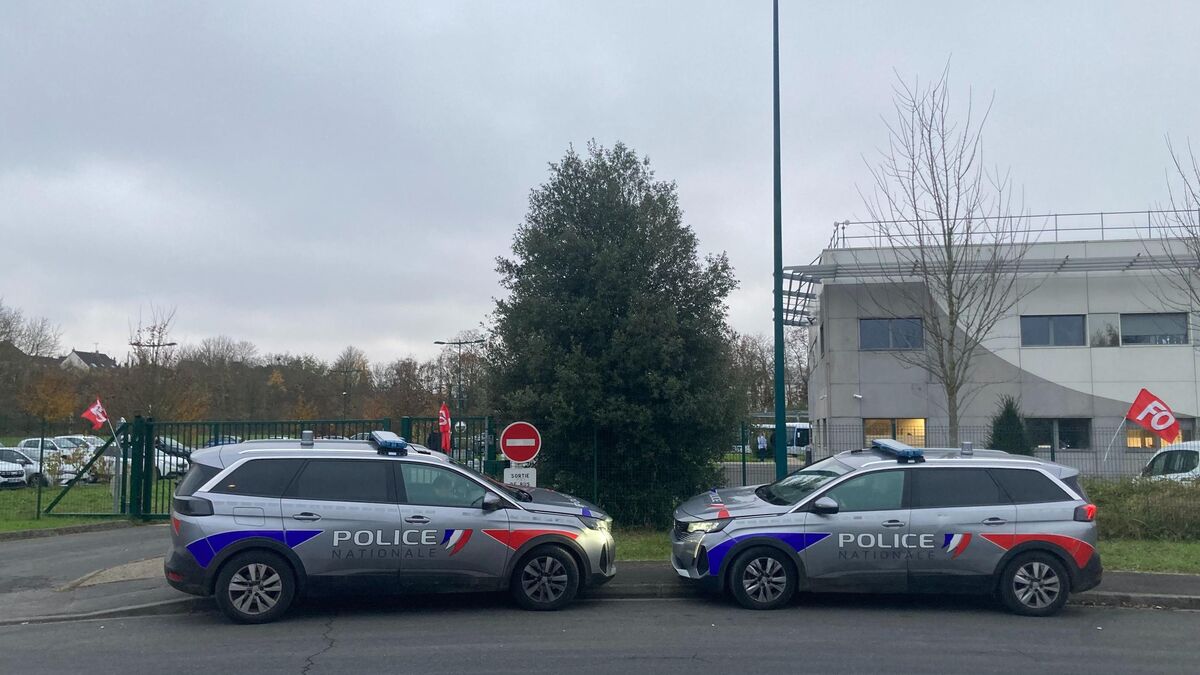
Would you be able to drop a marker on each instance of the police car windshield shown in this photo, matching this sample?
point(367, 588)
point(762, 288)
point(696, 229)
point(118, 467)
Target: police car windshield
point(800, 483)
point(510, 490)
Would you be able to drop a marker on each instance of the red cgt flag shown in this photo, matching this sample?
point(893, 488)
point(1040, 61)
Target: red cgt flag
point(96, 415)
point(444, 427)
point(1152, 414)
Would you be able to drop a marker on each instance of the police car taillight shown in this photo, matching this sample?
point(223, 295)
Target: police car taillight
point(192, 506)
point(1085, 513)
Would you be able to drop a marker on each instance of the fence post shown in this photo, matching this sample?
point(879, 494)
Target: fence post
point(387, 424)
point(42, 470)
point(136, 467)
point(148, 467)
point(406, 428)
point(490, 439)
point(595, 468)
point(745, 440)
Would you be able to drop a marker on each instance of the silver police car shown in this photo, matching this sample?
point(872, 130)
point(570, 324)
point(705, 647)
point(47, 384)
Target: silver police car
point(260, 523)
point(894, 519)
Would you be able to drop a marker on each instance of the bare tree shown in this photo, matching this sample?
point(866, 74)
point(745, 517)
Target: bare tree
point(36, 336)
point(951, 243)
point(1181, 223)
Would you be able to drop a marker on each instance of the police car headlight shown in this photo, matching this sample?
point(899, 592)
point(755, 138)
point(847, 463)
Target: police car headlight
point(707, 525)
point(601, 524)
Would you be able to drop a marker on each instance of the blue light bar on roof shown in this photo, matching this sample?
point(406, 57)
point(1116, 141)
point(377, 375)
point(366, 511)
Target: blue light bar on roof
point(386, 441)
point(902, 452)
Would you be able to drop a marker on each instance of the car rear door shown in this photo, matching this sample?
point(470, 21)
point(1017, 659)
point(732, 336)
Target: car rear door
point(862, 544)
point(447, 536)
point(342, 519)
point(954, 512)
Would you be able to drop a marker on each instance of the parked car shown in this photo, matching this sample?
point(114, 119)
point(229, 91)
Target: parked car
point(1179, 462)
point(85, 448)
point(60, 459)
point(171, 458)
point(222, 440)
point(29, 465)
point(12, 474)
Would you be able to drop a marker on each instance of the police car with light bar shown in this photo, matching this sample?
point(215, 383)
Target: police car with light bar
point(892, 518)
point(260, 523)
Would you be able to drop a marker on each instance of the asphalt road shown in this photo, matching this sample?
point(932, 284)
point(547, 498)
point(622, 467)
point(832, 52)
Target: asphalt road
point(53, 561)
point(474, 634)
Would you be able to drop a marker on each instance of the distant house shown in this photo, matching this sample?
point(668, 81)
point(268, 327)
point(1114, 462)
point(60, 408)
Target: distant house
point(87, 360)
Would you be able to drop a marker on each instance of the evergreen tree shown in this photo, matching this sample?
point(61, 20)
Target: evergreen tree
point(1008, 429)
point(613, 339)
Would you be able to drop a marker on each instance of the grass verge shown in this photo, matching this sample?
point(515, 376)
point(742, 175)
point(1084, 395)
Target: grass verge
point(1132, 555)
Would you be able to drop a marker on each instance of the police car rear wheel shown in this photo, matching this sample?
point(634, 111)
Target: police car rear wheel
point(1035, 584)
point(547, 578)
point(762, 578)
point(255, 587)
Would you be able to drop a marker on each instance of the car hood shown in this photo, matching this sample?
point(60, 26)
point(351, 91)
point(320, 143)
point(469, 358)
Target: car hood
point(11, 466)
point(726, 503)
point(552, 501)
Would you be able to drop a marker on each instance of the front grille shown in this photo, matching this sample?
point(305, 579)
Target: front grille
point(12, 474)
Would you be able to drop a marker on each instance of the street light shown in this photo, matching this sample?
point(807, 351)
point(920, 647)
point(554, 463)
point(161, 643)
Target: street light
point(459, 344)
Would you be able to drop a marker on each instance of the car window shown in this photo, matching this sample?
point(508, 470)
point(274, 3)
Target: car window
point(877, 491)
point(1026, 486)
point(196, 477)
point(1172, 462)
point(10, 456)
point(258, 478)
point(435, 486)
point(342, 480)
point(941, 488)
point(800, 483)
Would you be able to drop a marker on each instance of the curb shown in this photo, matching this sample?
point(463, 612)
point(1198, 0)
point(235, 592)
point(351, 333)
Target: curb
point(162, 607)
point(623, 592)
point(67, 529)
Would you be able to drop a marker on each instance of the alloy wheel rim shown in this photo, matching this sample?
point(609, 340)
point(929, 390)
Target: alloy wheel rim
point(1036, 585)
point(255, 588)
point(764, 579)
point(544, 579)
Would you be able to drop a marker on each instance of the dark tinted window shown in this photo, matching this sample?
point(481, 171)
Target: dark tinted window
point(342, 480)
point(1058, 331)
point(1154, 329)
point(880, 491)
point(196, 477)
point(890, 334)
point(1073, 483)
point(940, 488)
point(1027, 486)
point(260, 478)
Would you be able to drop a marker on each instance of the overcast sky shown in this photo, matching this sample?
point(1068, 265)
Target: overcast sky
point(312, 175)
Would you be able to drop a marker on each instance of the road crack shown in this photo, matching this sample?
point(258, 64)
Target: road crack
point(326, 635)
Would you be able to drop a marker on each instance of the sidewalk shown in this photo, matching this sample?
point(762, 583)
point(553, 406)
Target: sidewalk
point(118, 574)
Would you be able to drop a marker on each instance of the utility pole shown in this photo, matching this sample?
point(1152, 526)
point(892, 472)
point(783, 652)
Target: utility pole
point(461, 400)
point(780, 403)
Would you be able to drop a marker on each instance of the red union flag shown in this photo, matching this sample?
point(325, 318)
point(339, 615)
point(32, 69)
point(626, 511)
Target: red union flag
point(96, 415)
point(1149, 412)
point(444, 427)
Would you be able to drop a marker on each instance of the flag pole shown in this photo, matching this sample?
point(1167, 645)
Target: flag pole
point(1114, 438)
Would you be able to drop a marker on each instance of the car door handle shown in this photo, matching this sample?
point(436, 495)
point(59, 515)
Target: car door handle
point(306, 516)
point(417, 520)
point(994, 521)
point(893, 523)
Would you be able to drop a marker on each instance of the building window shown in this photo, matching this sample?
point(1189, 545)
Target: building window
point(1105, 330)
point(1074, 433)
point(910, 430)
point(1060, 330)
point(890, 334)
point(1137, 438)
point(1154, 329)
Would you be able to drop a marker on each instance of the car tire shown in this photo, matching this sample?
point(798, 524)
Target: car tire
point(1035, 584)
point(255, 587)
point(545, 579)
point(763, 578)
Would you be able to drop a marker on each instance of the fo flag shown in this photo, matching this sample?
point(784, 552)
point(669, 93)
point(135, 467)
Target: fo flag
point(1149, 412)
point(444, 427)
point(96, 415)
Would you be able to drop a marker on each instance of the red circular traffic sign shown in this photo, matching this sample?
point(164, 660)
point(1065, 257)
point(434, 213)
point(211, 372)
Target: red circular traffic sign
point(520, 441)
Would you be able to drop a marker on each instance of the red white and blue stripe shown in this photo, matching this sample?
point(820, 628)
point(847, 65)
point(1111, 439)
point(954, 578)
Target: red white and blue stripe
point(955, 544)
point(455, 540)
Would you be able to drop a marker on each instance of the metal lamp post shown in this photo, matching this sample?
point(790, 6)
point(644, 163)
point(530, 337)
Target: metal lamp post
point(460, 401)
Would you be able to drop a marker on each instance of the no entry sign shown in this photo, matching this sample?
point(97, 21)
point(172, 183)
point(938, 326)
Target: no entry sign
point(520, 442)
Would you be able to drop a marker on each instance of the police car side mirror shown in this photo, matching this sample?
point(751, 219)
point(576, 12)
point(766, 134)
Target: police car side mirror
point(492, 502)
point(825, 506)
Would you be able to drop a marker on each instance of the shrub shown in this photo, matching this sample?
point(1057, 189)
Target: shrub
point(1141, 509)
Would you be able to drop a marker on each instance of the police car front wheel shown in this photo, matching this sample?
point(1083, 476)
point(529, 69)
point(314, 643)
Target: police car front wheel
point(763, 578)
point(255, 587)
point(546, 578)
point(1035, 584)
